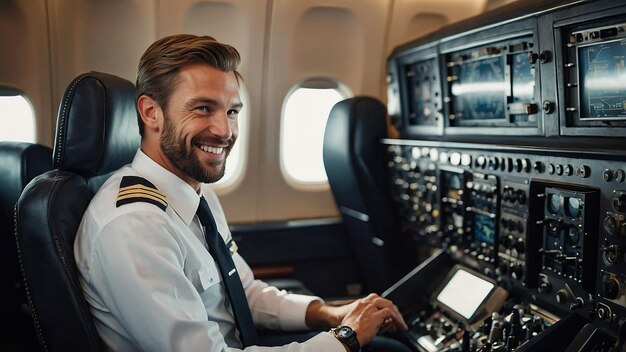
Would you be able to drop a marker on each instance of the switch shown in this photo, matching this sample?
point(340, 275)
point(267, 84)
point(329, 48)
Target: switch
point(619, 202)
point(611, 288)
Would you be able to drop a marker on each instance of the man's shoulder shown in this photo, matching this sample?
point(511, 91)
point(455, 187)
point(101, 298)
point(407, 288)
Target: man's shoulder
point(124, 192)
point(136, 189)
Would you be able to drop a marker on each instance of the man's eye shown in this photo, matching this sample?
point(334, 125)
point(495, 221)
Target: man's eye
point(203, 108)
point(232, 113)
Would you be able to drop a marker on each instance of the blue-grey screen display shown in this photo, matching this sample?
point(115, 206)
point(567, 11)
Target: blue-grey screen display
point(523, 80)
point(480, 89)
point(602, 79)
point(484, 229)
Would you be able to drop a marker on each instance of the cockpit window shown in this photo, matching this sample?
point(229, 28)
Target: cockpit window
point(304, 116)
point(17, 118)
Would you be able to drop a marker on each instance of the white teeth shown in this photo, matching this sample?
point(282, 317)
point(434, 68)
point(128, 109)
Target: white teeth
point(214, 150)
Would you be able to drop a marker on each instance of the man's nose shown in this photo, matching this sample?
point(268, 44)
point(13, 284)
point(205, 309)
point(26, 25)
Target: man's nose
point(220, 127)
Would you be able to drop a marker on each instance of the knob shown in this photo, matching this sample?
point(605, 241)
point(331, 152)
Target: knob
point(572, 235)
point(545, 56)
point(559, 169)
point(526, 165)
point(577, 304)
point(509, 194)
point(619, 203)
point(519, 246)
point(610, 225)
point(545, 287)
point(607, 175)
point(518, 165)
point(538, 166)
point(611, 253)
point(521, 196)
point(548, 107)
point(532, 57)
point(493, 163)
point(584, 171)
point(517, 272)
point(611, 288)
point(556, 226)
point(562, 296)
point(480, 161)
point(619, 175)
point(603, 313)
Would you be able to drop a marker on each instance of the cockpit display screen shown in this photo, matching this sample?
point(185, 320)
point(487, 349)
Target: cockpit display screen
point(523, 80)
point(484, 229)
point(464, 293)
point(480, 89)
point(602, 80)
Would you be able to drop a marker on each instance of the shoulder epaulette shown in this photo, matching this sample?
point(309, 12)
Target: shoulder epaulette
point(137, 189)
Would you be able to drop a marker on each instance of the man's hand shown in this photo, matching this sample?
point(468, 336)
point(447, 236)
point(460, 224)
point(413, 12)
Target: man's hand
point(367, 316)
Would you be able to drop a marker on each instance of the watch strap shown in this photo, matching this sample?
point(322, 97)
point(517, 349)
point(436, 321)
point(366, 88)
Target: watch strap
point(352, 342)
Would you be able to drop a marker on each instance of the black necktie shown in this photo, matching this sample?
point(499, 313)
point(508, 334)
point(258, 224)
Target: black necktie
point(230, 277)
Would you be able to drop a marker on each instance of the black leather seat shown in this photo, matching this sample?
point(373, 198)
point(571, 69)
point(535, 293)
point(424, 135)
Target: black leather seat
point(20, 162)
point(355, 163)
point(96, 134)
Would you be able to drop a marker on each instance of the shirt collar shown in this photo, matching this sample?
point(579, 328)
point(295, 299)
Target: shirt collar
point(180, 195)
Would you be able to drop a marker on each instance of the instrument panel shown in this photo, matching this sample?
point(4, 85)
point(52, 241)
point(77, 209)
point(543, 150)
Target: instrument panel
point(549, 227)
point(510, 162)
point(493, 85)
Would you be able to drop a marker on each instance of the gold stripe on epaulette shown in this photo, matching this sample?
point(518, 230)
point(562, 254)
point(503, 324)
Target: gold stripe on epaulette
point(161, 197)
point(141, 188)
point(233, 247)
point(141, 195)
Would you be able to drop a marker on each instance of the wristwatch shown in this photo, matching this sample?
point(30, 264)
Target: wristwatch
point(347, 336)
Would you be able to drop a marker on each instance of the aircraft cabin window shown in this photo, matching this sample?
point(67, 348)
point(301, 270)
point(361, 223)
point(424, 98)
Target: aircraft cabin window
point(236, 162)
point(17, 117)
point(304, 116)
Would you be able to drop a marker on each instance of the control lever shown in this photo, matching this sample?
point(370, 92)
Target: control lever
point(465, 343)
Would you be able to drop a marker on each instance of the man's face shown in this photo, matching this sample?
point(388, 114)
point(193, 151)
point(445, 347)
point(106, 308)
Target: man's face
point(200, 122)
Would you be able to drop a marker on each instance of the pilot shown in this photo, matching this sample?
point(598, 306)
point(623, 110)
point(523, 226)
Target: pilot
point(157, 262)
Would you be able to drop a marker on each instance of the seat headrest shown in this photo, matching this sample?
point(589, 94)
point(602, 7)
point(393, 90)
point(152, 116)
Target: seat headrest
point(97, 130)
point(20, 162)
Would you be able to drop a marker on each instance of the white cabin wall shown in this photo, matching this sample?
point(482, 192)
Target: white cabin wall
point(412, 19)
point(46, 43)
point(343, 40)
point(94, 35)
point(25, 59)
point(242, 24)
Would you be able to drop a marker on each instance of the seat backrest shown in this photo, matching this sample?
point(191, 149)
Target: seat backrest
point(96, 133)
point(355, 164)
point(20, 162)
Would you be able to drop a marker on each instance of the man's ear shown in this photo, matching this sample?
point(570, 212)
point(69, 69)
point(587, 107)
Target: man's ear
point(150, 112)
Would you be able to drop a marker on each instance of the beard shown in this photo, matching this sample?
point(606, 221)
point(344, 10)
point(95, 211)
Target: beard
point(184, 159)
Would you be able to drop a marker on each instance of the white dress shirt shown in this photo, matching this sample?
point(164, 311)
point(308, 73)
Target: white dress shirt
point(151, 283)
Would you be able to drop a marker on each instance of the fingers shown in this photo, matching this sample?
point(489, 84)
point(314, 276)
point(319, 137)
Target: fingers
point(395, 319)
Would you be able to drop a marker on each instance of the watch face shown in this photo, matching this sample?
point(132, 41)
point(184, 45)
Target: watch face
point(345, 332)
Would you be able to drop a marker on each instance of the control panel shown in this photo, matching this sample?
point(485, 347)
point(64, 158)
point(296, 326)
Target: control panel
point(549, 227)
point(510, 161)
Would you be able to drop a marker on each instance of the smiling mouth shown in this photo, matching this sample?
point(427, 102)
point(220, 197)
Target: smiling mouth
point(210, 149)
